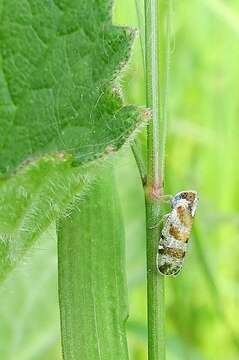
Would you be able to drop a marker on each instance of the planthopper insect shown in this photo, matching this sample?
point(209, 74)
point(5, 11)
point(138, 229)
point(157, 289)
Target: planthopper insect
point(175, 233)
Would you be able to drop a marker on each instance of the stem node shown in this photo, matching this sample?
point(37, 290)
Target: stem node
point(154, 191)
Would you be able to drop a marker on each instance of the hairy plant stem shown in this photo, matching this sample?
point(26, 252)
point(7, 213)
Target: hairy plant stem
point(156, 13)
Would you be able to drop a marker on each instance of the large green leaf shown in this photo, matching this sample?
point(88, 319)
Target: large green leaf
point(31, 200)
point(59, 63)
point(92, 284)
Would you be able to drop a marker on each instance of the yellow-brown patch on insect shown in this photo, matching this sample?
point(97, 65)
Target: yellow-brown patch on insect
point(181, 213)
point(184, 216)
point(177, 253)
point(178, 234)
point(174, 231)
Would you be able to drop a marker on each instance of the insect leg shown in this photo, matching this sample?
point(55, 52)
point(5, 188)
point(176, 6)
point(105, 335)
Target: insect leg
point(166, 198)
point(162, 220)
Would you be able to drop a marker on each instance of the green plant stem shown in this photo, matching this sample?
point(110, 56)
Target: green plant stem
point(156, 93)
point(141, 25)
point(139, 161)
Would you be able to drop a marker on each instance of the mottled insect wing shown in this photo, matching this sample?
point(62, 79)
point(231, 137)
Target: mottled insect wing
point(175, 233)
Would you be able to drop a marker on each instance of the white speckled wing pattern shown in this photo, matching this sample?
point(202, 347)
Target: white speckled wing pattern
point(175, 233)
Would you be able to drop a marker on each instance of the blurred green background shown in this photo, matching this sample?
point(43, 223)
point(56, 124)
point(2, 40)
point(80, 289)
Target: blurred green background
point(202, 154)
